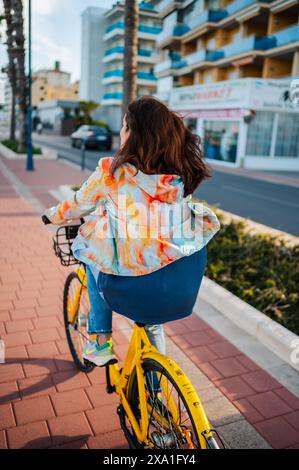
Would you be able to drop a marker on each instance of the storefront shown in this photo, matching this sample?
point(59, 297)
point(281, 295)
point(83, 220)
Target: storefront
point(245, 122)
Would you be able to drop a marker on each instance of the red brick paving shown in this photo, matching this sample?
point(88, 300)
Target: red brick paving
point(44, 400)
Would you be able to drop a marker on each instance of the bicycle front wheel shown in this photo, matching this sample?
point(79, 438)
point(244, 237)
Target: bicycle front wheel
point(173, 422)
point(75, 313)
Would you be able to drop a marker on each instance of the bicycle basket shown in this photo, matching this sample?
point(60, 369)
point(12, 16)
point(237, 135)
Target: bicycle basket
point(62, 244)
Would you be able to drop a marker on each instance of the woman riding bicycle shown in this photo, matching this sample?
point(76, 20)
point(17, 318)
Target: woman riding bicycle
point(144, 243)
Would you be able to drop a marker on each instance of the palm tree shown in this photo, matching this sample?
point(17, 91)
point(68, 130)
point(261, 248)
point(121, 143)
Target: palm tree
point(22, 78)
point(13, 14)
point(130, 54)
point(10, 69)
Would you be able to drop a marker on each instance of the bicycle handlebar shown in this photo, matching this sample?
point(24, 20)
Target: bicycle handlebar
point(45, 220)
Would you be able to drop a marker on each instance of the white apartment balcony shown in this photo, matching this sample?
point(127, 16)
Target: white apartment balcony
point(167, 6)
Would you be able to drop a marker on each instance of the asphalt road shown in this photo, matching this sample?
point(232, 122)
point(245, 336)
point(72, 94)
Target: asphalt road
point(64, 150)
point(272, 204)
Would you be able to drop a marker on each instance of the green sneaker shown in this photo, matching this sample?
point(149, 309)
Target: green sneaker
point(99, 355)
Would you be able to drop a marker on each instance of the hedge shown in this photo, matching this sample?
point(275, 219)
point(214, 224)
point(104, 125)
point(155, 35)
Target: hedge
point(13, 145)
point(259, 269)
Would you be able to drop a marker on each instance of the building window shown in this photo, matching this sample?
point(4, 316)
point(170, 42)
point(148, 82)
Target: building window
point(287, 138)
point(260, 134)
point(220, 140)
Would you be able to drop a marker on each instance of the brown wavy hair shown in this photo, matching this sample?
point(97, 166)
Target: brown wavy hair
point(160, 143)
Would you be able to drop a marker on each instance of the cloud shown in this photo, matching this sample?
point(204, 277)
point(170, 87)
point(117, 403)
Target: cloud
point(49, 50)
point(43, 7)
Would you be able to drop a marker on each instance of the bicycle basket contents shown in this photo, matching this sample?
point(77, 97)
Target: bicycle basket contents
point(62, 244)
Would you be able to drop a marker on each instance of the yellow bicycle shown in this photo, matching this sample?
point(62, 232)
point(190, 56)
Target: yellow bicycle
point(159, 408)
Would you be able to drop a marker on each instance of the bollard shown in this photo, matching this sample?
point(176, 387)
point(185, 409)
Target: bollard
point(83, 155)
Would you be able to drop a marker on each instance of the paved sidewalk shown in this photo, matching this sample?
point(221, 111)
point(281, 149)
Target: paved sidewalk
point(46, 403)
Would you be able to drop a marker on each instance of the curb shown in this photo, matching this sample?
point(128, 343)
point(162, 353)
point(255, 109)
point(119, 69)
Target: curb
point(268, 332)
point(272, 335)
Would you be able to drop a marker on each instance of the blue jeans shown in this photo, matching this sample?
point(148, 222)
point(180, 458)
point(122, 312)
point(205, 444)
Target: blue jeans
point(100, 315)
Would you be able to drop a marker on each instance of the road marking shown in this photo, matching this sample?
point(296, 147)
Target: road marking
point(260, 196)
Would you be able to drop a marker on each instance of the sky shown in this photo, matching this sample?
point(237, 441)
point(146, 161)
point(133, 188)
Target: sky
point(56, 33)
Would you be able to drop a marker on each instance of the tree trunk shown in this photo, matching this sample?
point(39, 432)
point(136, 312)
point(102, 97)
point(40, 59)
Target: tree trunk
point(13, 13)
point(22, 79)
point(130, 54)
point(11, 68)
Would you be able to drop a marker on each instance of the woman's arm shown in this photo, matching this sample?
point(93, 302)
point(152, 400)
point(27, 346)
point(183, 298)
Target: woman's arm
point(83, 201)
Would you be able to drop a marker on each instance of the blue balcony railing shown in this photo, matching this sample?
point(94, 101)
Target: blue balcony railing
point(178, 62)
point(120, 73)
point(205, 17)
point(113, 73)
point(117, 95)
point(163, 66)
point(146, 6)
point(121, 49)
point(200, 56)
point(146, 76)
point(286, 36)
point(142, 28)
point(248, 44)
point(177, 30)
point(150, 29)
point(238, 5)
point(115, 50)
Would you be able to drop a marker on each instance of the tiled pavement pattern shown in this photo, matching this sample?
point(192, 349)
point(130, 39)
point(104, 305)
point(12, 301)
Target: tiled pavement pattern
point(45, 402)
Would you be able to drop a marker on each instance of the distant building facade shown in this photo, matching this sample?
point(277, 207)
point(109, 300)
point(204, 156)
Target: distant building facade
point(93, 28)
point(107, 79)
point(227, 66)
point(53, 84)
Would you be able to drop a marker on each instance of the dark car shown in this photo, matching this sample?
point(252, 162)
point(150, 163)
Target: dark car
point(93, 136)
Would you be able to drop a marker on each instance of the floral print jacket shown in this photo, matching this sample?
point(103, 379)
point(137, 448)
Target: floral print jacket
point(137, 223)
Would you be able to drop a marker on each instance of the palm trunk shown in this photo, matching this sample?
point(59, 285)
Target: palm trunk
point(130, 54)
point(22, 79)
point(13, 14)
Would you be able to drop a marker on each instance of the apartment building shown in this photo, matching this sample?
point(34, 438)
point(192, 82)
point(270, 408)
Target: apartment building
point(227, 65)
point(93, 26)
point(113, 70)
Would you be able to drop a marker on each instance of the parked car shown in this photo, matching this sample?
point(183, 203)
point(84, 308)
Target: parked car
point(93, 136)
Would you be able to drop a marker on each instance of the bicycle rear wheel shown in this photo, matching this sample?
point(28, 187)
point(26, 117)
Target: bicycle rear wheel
point(166, 431)
point(76, 328)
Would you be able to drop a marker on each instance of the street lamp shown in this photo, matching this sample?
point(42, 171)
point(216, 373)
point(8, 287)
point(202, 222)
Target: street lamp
point(29, 164)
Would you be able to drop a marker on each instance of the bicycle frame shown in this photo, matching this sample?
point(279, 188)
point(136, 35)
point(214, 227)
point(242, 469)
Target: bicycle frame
point(140, 349)
point(82, 277)
point(136, 354)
